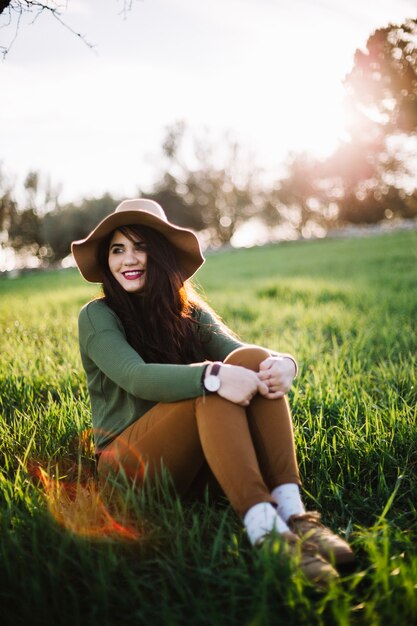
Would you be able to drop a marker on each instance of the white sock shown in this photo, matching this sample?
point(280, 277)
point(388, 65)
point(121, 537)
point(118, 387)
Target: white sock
point(288, 499)
point(260, 520)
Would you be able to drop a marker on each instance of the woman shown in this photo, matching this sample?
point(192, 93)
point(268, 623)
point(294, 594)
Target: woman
point(170, 385)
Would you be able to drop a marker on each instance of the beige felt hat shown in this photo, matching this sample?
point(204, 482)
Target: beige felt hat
point(144, 212)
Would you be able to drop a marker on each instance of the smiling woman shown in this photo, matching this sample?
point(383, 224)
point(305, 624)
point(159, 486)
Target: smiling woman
point(170, 386)
point(127, 259)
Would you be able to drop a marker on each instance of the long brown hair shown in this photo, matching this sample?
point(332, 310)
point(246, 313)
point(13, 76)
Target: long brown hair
point(160, 321)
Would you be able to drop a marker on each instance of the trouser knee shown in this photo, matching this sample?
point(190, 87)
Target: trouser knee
point(249, 357)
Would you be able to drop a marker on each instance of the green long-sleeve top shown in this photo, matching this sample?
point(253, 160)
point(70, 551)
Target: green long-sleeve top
point(122, 387)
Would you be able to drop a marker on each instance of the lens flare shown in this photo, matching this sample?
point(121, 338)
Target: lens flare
point(80, 509)
point(76, 503)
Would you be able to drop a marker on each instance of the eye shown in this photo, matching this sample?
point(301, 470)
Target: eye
point(116, 250)
point(140, 245)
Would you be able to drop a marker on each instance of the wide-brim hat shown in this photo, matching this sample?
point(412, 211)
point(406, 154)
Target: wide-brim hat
point(146, 213)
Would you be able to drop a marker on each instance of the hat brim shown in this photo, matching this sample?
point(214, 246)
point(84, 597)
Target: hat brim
point(185, 242)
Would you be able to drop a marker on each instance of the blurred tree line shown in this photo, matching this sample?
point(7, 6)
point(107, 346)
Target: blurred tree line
point(216, 189)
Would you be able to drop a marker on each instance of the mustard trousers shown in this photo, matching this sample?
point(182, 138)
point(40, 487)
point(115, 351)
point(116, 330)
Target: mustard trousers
point(248, 450)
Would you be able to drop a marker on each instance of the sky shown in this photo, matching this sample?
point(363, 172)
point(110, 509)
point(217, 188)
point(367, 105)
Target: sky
point(269, 72)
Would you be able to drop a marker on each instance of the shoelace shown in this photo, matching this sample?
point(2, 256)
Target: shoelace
point(309, 524)
point(312, 517)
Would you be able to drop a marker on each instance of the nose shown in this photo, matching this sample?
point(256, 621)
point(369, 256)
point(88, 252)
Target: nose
point(131, 257)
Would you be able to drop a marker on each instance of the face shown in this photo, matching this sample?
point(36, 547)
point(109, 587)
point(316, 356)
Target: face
point(127, 261)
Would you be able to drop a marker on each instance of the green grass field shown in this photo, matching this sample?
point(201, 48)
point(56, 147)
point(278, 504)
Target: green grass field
point(347, 309)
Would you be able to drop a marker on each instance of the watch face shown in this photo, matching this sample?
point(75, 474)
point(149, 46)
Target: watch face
point(212, 383)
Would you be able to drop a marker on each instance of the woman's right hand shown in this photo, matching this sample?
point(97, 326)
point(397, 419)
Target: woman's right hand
point(239, 385)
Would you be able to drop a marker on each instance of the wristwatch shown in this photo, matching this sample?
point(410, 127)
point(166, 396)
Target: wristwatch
point(211, 383)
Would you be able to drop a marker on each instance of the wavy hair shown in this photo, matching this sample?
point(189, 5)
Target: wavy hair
point(159, 321)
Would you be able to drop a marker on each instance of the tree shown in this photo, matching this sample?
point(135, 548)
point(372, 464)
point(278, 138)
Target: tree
point(365, 176)
point(7, 203)
point(298, 196)
point(383, 82)
point(8, 208)
point(73, 221)
point(361, 180)
point(24, 229)
point(167, 193)
point(214, 195)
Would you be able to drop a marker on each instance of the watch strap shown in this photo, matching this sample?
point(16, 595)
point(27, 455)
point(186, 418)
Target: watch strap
point(215, 368)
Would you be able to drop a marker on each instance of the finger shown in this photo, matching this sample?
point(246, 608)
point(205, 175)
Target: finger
point(262, 388)
point(282, 388)
point(264, 392)
point(264, 375)
point(274, 395)
point(264, 365)
point(277, 382)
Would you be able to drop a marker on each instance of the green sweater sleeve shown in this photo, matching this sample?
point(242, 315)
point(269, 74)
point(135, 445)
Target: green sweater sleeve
point(104, 346)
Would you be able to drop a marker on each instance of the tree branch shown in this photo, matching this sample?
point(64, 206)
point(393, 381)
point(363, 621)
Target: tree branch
point(18, 8)
point(3, 5)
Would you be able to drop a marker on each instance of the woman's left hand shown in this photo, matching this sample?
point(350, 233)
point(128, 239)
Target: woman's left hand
point(278, 373)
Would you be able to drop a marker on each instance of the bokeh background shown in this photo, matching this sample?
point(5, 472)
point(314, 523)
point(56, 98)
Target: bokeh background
point(249, 120)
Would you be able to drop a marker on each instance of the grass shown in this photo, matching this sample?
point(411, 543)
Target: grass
point(347, 309)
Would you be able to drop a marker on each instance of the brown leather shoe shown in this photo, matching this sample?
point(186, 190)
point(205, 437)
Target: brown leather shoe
point(328, 545)
point(304, 553)
point(314, 567)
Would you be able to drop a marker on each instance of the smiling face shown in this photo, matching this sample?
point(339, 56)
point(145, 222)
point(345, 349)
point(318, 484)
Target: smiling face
point(127, 261)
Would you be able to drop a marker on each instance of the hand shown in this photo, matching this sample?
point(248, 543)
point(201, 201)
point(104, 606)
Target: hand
point(278, 373)
point(239, 385)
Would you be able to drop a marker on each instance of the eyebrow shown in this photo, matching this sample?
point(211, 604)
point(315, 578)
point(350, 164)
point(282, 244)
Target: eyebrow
point(122, 245)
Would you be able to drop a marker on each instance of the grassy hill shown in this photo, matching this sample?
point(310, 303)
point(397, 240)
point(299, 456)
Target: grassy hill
point(347, 309)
